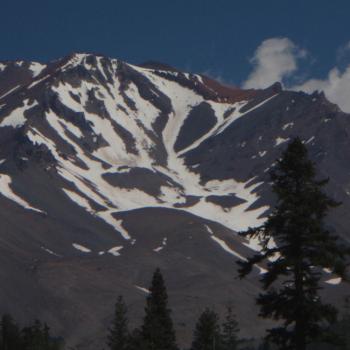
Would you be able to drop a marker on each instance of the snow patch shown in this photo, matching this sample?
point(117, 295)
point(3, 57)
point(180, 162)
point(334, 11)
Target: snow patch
point(164, 243)
point(117, 224)
point(158, 249)
point(225, 247)
point(280, 140)
point(115, 250)
point(50, 252)
point(334, 281)
point(288, 125)
point(81, 248)
point(237, 218)
point(145, 290)
point(36, 68)
point(9, 91)
point(229, 250)
point(16, 118)
point(81, 201)
point(5, 190)
point(36, 82)
point(309, 140)
point(209, 229)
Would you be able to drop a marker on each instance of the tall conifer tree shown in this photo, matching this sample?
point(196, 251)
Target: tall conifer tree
point(206, 335)
point(119, 335)
point(230, 331)
point(10, 334)
point(157, 329)
point(296, 247)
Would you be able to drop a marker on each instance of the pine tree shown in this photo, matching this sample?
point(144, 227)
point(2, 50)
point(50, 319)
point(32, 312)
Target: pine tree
point(46, 336)
point(35, 337)
point(157, 329)
point(296, 247)
point(10, 334)
point(206, 335)
point(230, 331)
point(118, 334)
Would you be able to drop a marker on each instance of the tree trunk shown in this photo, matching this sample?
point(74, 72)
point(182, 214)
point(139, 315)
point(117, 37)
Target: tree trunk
point(300, 339)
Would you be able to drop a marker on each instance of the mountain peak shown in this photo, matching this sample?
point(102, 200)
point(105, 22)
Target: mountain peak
point(275, 87)
point(158, 66)
point(108, 169)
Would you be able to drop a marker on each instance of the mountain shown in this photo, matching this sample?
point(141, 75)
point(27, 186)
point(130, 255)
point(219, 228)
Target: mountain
point(109, 170)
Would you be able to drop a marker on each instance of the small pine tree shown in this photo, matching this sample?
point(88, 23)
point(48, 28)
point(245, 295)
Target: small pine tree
point(10, 334)
point(206, 335)
point(46, 337)
point(296, 247)
point(34, 337)
point(157, 329)
point(230, 331)
point(118, 334)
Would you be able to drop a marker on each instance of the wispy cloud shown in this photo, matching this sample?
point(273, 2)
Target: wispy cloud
point(336, 87)
point(274, 60)
point(277, 59)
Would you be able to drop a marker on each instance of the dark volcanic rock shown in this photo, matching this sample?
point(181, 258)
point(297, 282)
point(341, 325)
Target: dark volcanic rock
point(228, 201)
point(199, 121)
point(144, 179)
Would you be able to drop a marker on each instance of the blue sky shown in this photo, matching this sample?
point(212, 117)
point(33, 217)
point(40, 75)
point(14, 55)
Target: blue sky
point(218, 37)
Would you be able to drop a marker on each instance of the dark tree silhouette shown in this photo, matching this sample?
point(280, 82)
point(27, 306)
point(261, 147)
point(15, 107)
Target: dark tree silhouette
point(118, 337)
point(230, 330)
point(296, 247)
point(206, 335)
point(10, 334)
point(157, 329)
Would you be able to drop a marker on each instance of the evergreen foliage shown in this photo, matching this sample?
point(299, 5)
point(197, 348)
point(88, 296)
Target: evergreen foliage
point(10, 334)
point(157, 329)
point(206, 335)
point(296, 247)
point(118, 337)
point(342, 329)
point(135, 340)
point(230, 330)
point(35, 337)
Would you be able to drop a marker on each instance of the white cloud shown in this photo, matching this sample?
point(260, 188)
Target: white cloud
point(336, 87)
point(274, 59)
point(277, 58)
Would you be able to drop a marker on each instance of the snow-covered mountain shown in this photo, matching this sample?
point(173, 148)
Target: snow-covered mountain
point(108, 170)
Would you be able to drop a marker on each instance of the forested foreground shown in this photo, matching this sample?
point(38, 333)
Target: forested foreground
point(297, 249)
point(33, 337)
point(157, 332)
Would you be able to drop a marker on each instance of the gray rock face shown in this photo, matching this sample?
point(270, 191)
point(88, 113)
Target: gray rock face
point(109, 170)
